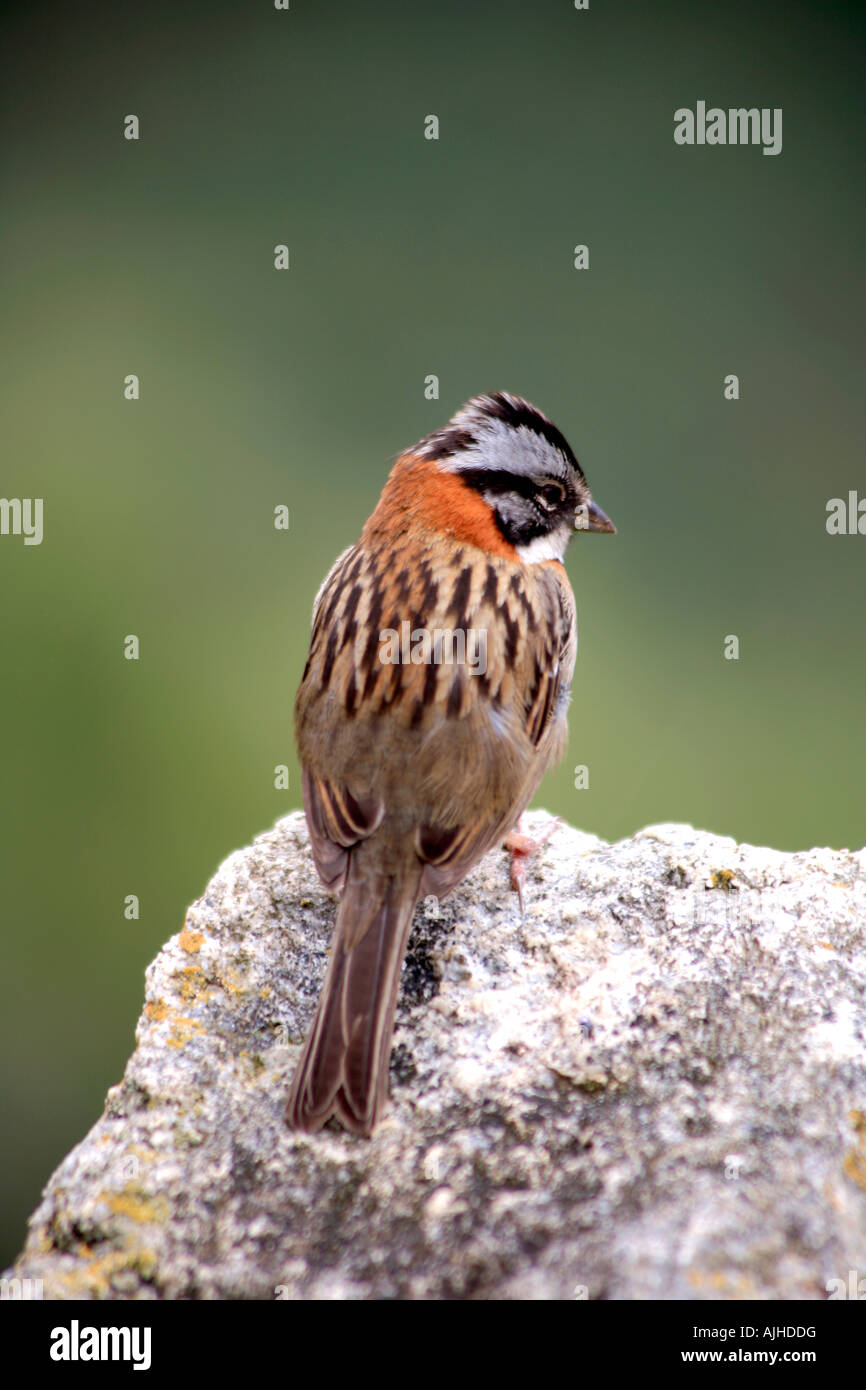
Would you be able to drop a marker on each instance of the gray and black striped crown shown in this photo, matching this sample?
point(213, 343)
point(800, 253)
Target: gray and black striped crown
point(481, 419)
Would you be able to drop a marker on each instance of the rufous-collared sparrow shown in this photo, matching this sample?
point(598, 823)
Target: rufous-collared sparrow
point(420, 750)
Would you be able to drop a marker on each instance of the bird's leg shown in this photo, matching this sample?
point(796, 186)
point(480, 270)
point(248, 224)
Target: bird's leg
point(521, 847)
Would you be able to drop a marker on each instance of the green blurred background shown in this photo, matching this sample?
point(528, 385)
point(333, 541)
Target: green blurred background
point(408, 257)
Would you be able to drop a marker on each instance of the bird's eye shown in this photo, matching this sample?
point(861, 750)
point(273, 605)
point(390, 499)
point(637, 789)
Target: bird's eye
point(552, 494)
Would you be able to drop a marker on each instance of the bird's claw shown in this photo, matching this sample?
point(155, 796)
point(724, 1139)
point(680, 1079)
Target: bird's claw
point(521, 847)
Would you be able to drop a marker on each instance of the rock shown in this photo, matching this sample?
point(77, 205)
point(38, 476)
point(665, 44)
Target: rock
point(652, 1086)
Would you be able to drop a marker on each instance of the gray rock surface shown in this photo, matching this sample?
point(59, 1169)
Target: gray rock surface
point(652, 1086)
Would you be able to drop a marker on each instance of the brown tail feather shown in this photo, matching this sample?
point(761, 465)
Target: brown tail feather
point(343, 1068)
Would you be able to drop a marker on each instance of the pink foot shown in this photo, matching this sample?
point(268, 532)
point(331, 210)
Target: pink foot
point(521, 847)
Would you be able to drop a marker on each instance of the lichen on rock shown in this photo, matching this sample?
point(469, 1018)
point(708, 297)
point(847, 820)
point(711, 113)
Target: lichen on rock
point(653, 1085)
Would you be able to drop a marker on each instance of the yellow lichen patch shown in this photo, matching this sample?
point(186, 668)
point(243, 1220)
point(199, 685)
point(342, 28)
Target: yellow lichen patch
point(190, 941)
point(190, 982)
point(722, 878)
point(854, 1162)
point(854, 1165)
point(182, 1029)
point(734, 1286)
point(155, 1010)
point(232, 982)
point(95, 1276)
point(131, 1203)
point(266, 992)
point(43, 1242)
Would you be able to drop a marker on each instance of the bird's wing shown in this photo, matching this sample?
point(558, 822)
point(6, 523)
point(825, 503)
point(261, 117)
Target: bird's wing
point(336, 821)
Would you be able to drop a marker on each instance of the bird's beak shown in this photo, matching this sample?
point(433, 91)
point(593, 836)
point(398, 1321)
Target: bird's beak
point(592, 518)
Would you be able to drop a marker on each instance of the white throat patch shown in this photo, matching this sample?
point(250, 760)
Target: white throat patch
point(552, 547)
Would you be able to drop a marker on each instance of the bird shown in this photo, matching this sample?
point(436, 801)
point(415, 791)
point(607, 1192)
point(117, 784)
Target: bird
point(415, 765)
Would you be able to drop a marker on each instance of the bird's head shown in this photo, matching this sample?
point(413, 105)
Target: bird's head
point(523, 467)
